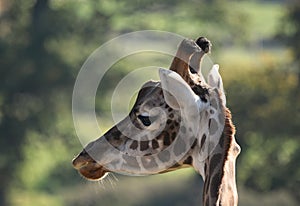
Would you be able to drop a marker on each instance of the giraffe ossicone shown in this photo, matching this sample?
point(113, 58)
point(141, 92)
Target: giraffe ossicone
point(178, 122)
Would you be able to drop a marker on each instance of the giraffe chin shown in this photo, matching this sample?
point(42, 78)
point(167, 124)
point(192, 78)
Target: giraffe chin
point(93, 171)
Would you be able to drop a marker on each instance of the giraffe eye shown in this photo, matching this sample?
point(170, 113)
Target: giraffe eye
point(145, 120)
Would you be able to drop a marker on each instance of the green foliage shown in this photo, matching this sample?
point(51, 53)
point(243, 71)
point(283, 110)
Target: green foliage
point(265, 111)
point(43, 44)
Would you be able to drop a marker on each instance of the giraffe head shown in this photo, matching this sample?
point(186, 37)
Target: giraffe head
point(174, 122)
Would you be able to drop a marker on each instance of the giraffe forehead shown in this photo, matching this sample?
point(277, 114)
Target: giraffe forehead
point(150, 91)
point(153, 98)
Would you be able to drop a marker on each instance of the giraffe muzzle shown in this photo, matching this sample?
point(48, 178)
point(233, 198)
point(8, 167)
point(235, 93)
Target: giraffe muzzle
point(88, 167)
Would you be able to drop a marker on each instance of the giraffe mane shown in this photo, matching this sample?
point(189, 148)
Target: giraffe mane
point(230, 152)
point(228, 132)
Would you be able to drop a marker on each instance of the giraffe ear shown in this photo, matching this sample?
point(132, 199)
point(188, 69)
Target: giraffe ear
point(177, 93)
point(214, 80)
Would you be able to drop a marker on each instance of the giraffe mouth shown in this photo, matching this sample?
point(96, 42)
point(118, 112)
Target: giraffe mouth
point(88, 167)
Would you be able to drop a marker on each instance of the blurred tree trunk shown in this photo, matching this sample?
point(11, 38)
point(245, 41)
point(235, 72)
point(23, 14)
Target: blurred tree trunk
point(293, 39)
point(3, 201)
point(13, 128)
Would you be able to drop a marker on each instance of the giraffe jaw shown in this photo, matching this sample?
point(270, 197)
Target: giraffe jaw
point(88, 167)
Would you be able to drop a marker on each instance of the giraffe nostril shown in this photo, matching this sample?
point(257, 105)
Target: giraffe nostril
point(78, 162)
point(82, 160)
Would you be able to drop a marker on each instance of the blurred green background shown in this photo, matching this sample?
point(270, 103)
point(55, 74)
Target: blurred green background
point(43, 44)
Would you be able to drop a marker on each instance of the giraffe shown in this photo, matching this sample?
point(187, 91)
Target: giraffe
point(179, 121)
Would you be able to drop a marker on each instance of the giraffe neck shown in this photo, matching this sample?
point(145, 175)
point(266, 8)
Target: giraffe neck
point(220, 185)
